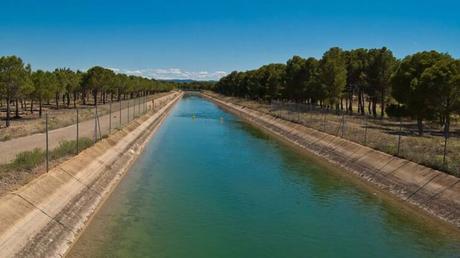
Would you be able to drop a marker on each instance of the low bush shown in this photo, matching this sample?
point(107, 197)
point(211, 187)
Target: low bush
point(28, 160)
point(69, 147)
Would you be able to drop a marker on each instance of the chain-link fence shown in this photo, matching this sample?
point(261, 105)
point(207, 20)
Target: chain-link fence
point(393, 136)
point(398, 137)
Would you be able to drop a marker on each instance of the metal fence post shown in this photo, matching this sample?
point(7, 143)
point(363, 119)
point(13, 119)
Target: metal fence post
point(128, 110)
point(343, 123)
point(365, 130)
point(98, 124)
point(310, 109)
point(446, 136)
point(110, 117)
point(95, 124)
point(324, 121)
point(47, 145)
point(77, 131)
point(399, 136)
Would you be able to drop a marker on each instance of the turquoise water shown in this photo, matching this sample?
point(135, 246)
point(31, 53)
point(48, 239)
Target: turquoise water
point(209, 185)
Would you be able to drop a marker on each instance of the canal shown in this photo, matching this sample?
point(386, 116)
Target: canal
point(210, 185)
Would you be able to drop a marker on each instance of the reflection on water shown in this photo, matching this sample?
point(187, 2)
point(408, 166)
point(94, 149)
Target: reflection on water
point(209, 185)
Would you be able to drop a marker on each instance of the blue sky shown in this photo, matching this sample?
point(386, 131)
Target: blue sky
point(205, 39)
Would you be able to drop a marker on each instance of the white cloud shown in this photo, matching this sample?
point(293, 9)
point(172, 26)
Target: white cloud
point(173, 73)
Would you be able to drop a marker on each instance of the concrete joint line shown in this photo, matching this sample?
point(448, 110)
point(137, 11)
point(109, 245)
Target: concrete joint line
point(362, 156)
point(78, 180)
point(391, 173)
point(374, 171)
point(331, 142)
point(46, 214)
point(421, 187)
point(351, 160)
point(441, 192)
point(405, 162)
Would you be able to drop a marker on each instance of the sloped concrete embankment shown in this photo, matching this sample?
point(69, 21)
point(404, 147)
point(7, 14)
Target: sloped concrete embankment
point(436, 192)
point(44, 218)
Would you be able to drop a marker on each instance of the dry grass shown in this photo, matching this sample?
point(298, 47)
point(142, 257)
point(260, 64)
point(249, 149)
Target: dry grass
point(380, 134)
point(29, 160)
point(31, 123)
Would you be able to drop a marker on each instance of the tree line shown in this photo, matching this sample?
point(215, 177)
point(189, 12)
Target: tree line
point(422, 86)
point(20, 85)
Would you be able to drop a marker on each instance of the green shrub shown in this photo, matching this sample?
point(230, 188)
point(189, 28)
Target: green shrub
point(69, 147)
point(396, 111)
point(28, 160)
point(6, 137)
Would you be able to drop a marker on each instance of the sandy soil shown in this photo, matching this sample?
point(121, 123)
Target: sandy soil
point(10, 148)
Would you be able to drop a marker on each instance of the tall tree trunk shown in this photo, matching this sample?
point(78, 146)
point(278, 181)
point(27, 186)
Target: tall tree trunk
point(57, 100)
point(420, 126)
point(74, 100)
point(83, 98)
point(95, 98)
point(32, 106)
point(382, 103)
point(40, 107)
point(7, 111)
point(369, 104)
point(17, 108)
point(447, 126)
point(362, 102)
point(350, 102)
point(374, 107)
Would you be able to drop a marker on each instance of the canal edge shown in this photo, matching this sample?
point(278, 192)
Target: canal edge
point(46, 216)
point(433, 191)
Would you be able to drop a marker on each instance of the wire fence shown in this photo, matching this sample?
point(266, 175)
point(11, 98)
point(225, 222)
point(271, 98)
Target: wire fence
point(91, 124)
point(397, 137)
point(434, 149)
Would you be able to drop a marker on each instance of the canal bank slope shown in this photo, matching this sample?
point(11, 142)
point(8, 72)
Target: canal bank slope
point(46, 216)
point(435, 192)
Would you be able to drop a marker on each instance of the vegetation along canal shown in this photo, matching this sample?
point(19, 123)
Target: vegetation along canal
point(209, 185)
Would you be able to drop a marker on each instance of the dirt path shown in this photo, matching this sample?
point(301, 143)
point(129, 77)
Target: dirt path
point(9, 149)
point(30, 124)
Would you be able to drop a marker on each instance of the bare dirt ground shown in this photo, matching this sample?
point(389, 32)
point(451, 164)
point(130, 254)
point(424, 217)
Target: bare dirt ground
point(30, 123)
point(65, 122)
point(45, 217)
point(12, 180)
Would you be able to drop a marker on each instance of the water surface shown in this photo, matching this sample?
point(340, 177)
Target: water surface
point(209, 185)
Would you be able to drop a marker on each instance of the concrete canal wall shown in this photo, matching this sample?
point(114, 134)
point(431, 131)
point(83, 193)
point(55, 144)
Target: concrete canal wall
point(435, 192)
point(46, 216)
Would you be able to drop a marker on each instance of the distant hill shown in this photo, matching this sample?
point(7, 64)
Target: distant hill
point(180, 80)
point(185, 80)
